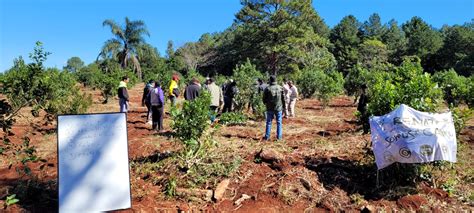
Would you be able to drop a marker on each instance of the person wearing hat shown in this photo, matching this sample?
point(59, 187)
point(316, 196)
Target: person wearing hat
point(273, 98)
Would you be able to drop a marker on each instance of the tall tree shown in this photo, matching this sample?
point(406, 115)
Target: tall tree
point(422, 39)
point(124, 47)
point(395, 40)
point(279, 34)
point(372, 28)
point(169, 49)
point(346, 42)
point(196, 54)
point(74, 64)
point(458, 49)
point(373, 53)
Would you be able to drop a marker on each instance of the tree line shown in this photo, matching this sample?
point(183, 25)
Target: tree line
point(289, 39)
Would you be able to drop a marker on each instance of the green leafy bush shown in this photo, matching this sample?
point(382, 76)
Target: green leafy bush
point(192, 120)
point(245, 75)
point(232, 118)
point(455, 87)
point(354, 80)
point(407, 85)
point(51, 90)
point(324, 86)
point(258, 107)
point(460, 117)
point(105, 75)
point(193, 74)
point(89, 76)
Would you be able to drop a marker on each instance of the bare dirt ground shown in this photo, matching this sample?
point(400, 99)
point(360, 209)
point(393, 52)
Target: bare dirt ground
point(321, 165)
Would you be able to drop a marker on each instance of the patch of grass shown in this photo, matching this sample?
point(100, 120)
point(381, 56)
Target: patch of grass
point(212, 170)
point(233, 118)
point(449, 186)
point(171, 185)
point(288, 193)
point(357, 198)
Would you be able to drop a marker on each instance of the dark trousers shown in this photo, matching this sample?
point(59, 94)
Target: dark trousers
point(148, 111)
point(227, 105)
point(157, 117)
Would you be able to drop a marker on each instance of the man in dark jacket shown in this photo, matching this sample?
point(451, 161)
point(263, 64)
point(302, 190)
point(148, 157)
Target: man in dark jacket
point(229, 95)
point(146, 99)
point(123, 94)
point(192, 90)
point(274, 99)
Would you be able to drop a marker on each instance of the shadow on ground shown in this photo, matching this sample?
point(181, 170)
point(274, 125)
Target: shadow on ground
point(354, 177)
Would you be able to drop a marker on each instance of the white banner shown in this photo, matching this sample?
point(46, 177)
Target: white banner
point(406, 135)
point(93, 167)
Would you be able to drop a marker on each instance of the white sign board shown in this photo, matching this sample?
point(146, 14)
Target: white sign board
point(406, 135)
point(93, 167)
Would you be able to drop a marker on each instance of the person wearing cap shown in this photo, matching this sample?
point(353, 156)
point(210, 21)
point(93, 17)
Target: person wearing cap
point(273, 98)
point(123, 94)
point(174, 89)
point(293, 96)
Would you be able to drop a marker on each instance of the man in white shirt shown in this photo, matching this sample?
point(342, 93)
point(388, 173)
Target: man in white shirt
point(286, 93)
point(293, 96)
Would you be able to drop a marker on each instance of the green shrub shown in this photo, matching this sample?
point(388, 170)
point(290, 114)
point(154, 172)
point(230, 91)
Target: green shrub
point(354, 80)
point(192, 120)
point(258, 106)
point(324, 86)
point(89, 75)
point(407, 85)
point(460, 117)
point(245, 75)
point(232, 118)
point(51, 90)
point(105, 75)
point(193, 74)
point(456, 88)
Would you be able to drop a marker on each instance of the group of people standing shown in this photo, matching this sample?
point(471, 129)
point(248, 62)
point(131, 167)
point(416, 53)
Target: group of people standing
point(279, 100)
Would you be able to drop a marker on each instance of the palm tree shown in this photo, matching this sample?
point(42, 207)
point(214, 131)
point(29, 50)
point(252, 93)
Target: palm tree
point(126, 44)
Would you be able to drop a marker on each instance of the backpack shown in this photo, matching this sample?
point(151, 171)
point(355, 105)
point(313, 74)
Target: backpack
point(151, 96)
point(175, 92)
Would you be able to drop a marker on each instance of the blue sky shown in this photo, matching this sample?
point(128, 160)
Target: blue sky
point(74, 27)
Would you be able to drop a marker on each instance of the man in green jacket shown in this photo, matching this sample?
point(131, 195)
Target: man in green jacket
point(274, 99)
